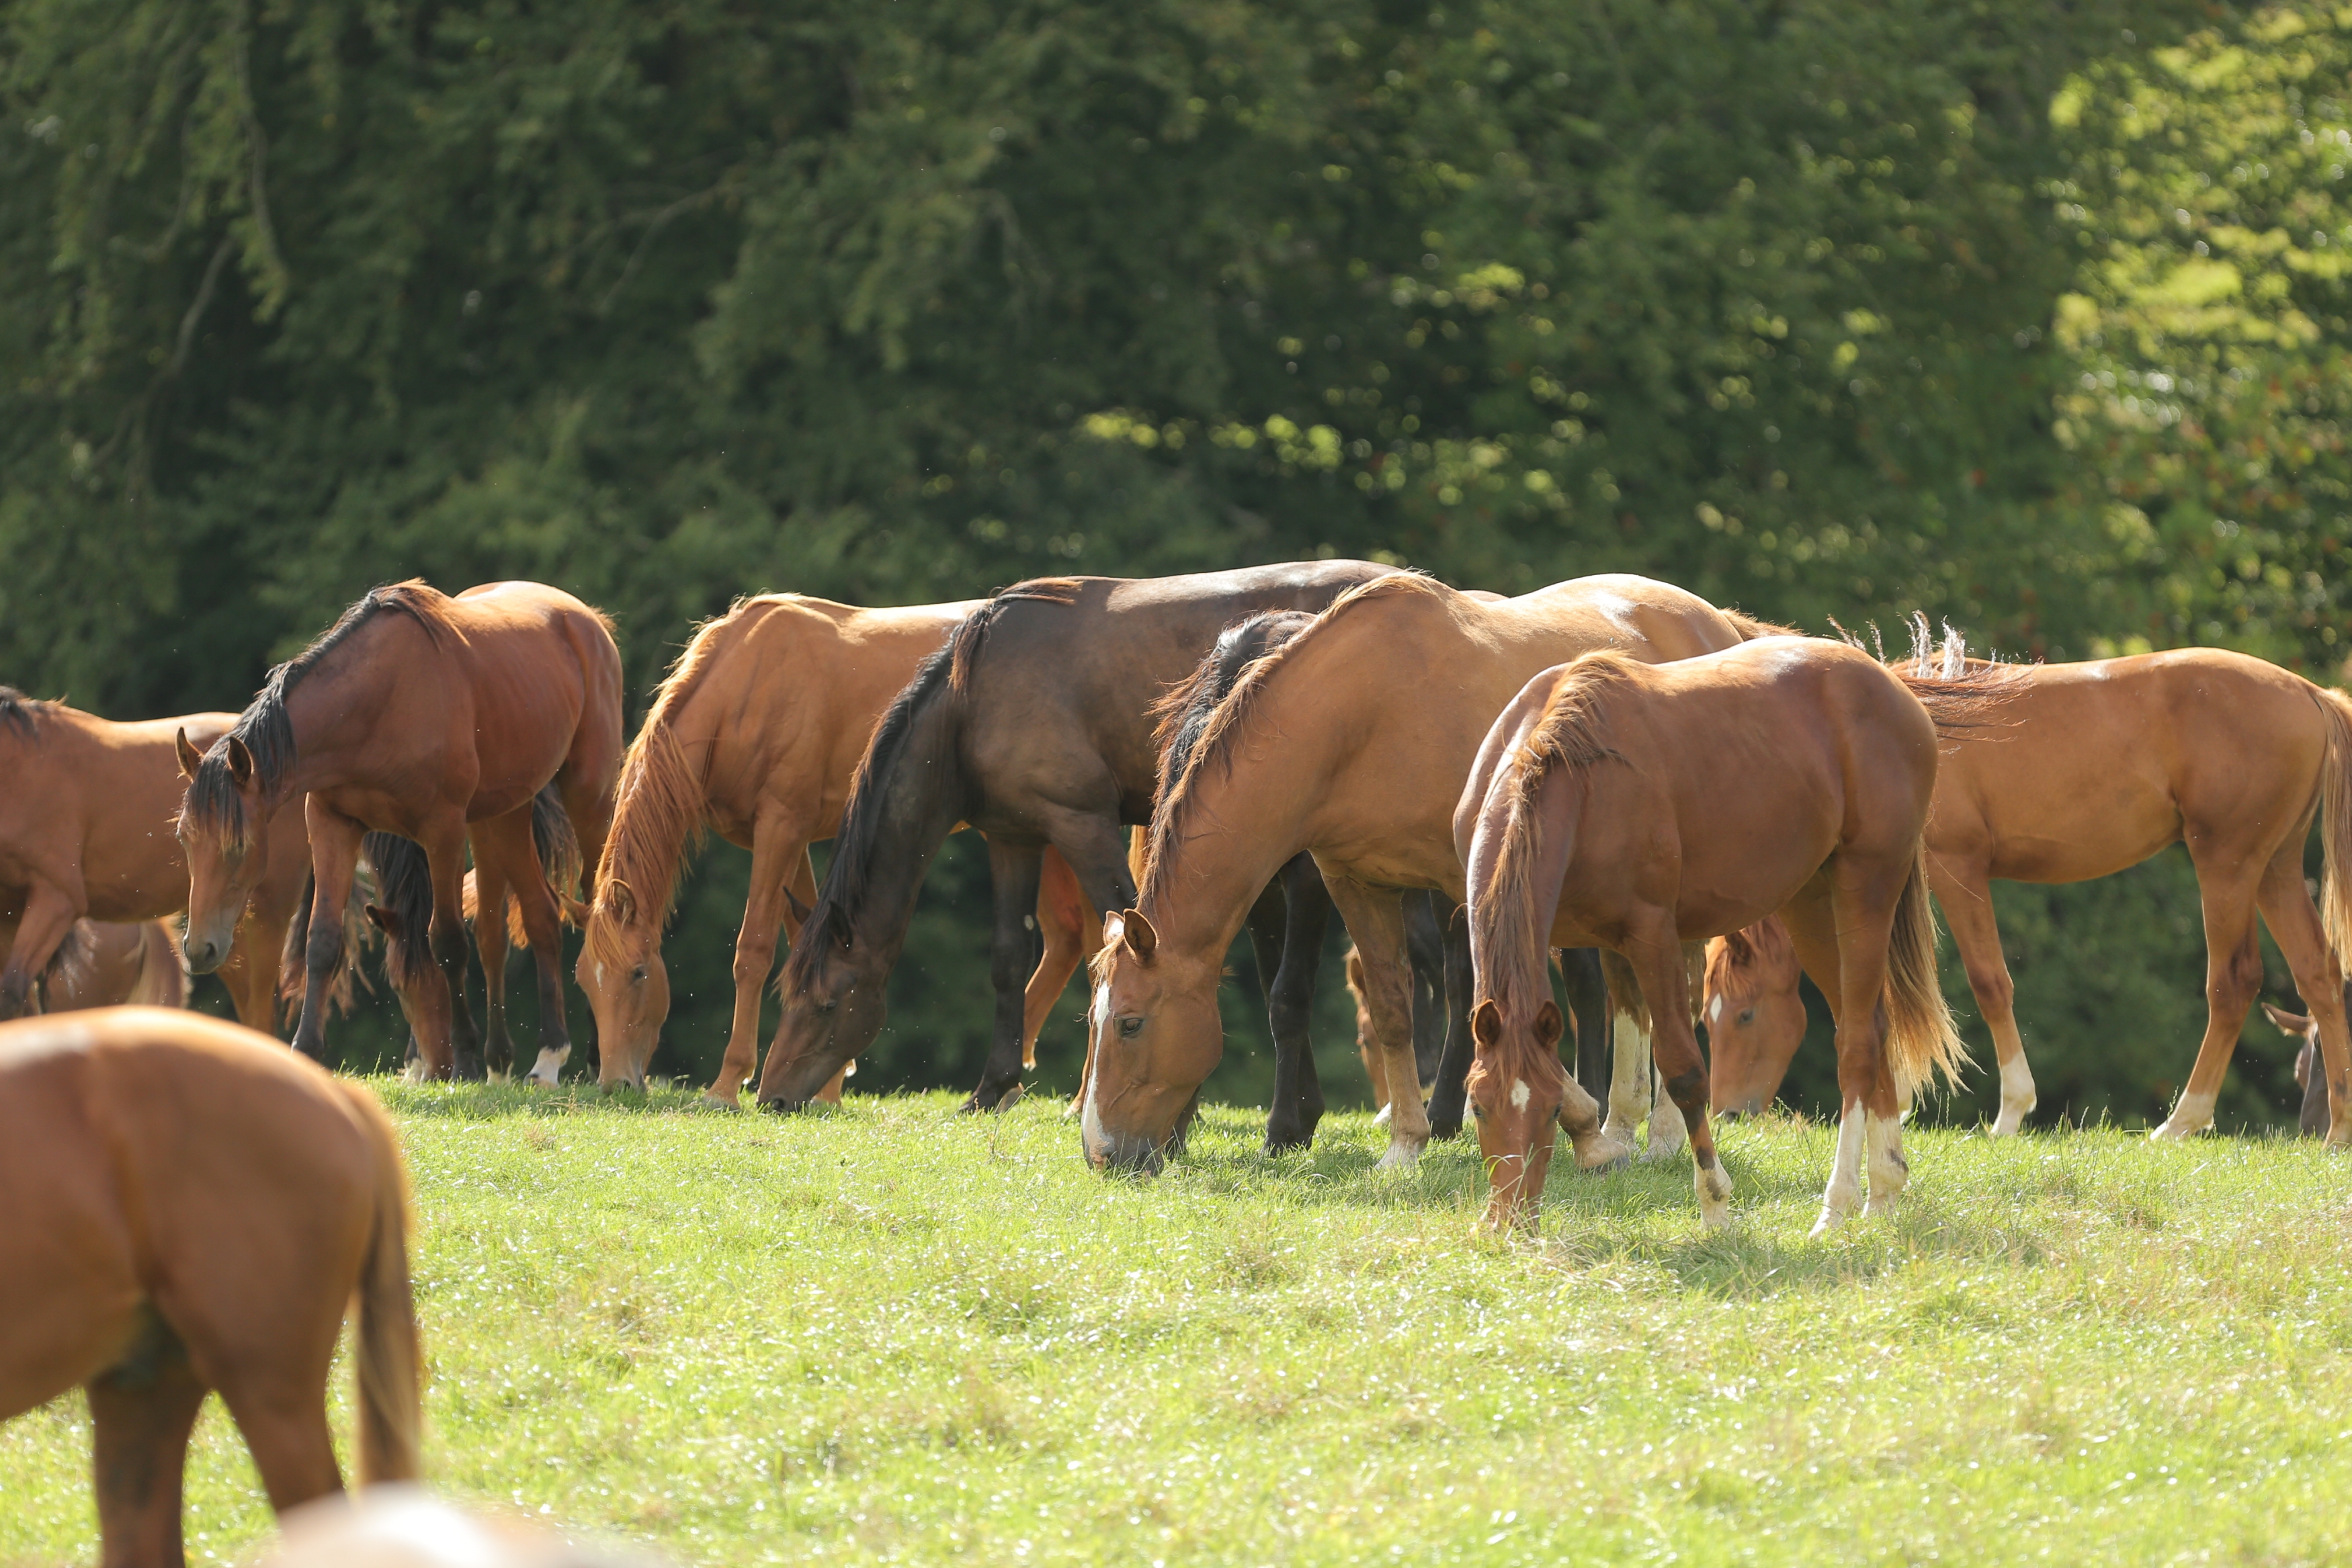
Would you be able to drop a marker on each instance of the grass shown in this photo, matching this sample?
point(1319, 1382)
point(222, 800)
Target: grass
point(893, 1333)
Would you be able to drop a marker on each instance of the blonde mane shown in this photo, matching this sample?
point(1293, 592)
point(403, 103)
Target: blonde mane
point(1221, 734)
point(661, 807)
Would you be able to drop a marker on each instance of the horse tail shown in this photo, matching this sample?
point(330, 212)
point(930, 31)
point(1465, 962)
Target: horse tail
point(2335, 820)
point(560, 857)
point(387, 1359)
point(404, 883)
point(293, 963)
point(161, 982)
point(1920, 1040)
point(293, 958)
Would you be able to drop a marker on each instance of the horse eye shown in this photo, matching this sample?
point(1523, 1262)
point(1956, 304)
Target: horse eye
point(1747, 1016)
point(828, 1004)
point(637, 975)
point(1131, 1026)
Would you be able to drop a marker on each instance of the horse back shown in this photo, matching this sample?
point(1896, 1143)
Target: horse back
point(536, 668)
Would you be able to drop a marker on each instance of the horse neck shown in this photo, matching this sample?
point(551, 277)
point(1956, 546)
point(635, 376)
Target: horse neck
point(662, 804)
point(334, 712)
point(919, 803)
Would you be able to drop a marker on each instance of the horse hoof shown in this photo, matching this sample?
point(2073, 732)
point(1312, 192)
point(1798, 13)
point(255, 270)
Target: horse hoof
point(710, 1102)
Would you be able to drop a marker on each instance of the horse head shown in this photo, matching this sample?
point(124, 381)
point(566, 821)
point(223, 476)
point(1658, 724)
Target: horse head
point(1755, 1018)
point(1155, 1035)
point(1516, 1087)
point(222, 828)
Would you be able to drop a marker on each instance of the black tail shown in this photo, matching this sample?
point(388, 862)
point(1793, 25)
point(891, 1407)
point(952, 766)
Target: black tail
point(551, 834)
point(404, 885)
point(293, 968)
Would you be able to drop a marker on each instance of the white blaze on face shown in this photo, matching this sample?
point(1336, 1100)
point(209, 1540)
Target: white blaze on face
point(1519, 1094)
point(1098, 1023)
point(1715, 1012)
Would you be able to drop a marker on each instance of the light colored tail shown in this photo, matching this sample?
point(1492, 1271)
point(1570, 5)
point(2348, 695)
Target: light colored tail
point(1920, 1040)
point(389, 1362)
point(161, 982)
point(2336, 820)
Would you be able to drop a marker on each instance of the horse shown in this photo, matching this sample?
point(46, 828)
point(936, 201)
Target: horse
point(103, 964)
point(85, 833)
point(2095, 767)
point(190, 1208)
point(1638, 806)
point(756, 732)
point(1036, 725)
point(418, 721)
point(1350, 741)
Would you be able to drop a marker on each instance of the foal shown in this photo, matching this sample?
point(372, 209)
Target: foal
point(1631, 806)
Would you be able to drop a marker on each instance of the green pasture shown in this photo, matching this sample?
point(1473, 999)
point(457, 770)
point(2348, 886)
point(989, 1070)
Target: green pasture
point(894, 1333)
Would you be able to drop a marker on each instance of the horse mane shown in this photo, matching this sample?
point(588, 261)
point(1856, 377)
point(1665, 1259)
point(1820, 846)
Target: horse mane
point(21, 713)
point(1183, 713)
point(1572, 736)
point(1750, 628)
point(943, 677)
point(266, 729)
point(1747, 952)
point(661, 806)
point(1958, 692)
point(1220, 731)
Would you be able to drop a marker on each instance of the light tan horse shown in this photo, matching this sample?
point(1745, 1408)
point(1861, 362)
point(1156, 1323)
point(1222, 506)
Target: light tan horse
point(756, 733)
point(101, 964)
point(2094, 767)
point(1352, 740)
point(190, 1206)
point(86, 833)
point(1635, 807)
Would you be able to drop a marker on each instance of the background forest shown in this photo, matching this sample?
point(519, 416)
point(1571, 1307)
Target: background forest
point(2031, 318)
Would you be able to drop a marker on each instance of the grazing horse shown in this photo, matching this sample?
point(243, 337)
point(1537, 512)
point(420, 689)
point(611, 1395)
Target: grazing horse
point(2094, 767)
point(1751, 1006)
point(86, 832)
point(1639, 806)
point(101, 964)
point(756, 733)
point(1350, 741)
point(416, 721)
point(1035, 724)
point(191, 1207)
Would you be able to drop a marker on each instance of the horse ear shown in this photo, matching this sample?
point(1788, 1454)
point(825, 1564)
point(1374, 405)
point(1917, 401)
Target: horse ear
point(620, 901)
point(1114, 927)
point(240, 762)
point(801, 912)
point(189, 757)
point(1138, 933)
point(1486, 1023)
point(2295, 1024)
point(384, 920)
point(1549, 1024)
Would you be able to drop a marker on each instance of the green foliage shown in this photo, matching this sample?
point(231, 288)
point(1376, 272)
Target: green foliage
point(1819, 310)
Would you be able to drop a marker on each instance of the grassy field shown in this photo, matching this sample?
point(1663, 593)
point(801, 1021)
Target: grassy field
point(893, 1333)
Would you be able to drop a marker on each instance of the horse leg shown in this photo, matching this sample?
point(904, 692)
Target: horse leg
point(779, 853)
point(1305, 915)
point(1424, 933)
point(2287, 907)
point(456, 1048)
point(141, 1414)
point(2233, 976)
point(1669, 1129)
point(334, 855)
point(1663, 966)
point(1013, 872)
point(49, 913)
point(542, 926)
point(1855, 919)
point(1587, 986)
point(1967, 900)
point(1375, 918)
point(495, 878)
point(251, 969)
point(1447, 1099)
point(1069, 928)
point(1629, 1067)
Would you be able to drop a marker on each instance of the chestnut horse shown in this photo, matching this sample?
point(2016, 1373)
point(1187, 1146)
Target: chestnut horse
point(2095, 767)
point(1035, 724)
point(1639, 806)
point(756, 733)
point(191, 1207)
point(86, 832)
point(1351, 741)
point(416, 721)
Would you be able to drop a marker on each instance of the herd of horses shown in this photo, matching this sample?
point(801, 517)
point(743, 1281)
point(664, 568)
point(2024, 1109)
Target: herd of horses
point(1672, 806)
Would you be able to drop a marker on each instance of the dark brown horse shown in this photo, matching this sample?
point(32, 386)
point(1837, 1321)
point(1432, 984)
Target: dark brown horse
point(1641, 806)
point(191, 1207)
point(1036, 725)
point(416, 721)
point(1351, 742)
point(86, 832)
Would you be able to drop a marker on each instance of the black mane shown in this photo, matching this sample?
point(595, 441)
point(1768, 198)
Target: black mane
point(266, 729)
point(21, 713)
point(941, 678)
point(1184, 712)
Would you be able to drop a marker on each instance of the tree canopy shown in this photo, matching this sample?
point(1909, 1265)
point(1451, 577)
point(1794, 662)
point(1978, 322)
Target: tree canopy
point(2027, 317)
